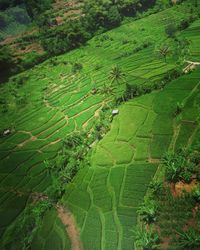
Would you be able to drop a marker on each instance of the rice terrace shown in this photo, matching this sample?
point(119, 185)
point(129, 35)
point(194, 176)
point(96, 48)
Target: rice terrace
point(99, 127)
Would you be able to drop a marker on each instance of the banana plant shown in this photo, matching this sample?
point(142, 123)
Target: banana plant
point(146, 239)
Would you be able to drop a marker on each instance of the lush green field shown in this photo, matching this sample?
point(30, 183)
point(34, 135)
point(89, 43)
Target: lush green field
point(106, 195)
point(50, 101)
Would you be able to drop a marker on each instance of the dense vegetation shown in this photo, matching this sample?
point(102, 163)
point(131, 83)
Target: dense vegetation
point(61, 149)
point(96, 17)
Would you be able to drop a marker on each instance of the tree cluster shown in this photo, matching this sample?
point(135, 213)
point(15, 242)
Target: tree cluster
point(98, 16)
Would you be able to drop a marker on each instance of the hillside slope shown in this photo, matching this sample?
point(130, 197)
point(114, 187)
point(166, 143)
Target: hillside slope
point(55, 99)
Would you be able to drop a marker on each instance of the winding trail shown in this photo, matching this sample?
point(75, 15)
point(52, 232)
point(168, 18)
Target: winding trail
point(69, 222)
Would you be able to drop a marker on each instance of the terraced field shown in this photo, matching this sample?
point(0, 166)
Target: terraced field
point(54, 101)
point(106, 196)
point(191, 34)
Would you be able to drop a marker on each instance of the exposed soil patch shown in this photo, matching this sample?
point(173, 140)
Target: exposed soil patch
point(180, 187)
point(70, 224)
point(12, 39)
point(165, 243)
point(69, 15)
point(29, 48)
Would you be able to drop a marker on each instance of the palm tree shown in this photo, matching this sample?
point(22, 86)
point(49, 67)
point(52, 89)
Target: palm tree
point(164, 51)
point(116, 75)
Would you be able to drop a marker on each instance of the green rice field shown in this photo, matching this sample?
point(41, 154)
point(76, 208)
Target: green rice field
point(51, 101)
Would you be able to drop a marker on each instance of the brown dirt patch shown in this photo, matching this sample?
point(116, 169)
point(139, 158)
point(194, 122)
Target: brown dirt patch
point(180, 187)
point(165, 243)
point(71, 228)
point(29, 48)
point(12, 39)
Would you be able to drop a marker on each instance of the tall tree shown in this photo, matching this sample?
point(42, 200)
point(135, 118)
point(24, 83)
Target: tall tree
point(116, 75)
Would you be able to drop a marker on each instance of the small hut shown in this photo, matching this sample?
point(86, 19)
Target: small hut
point(115, 112)
point(190, 66)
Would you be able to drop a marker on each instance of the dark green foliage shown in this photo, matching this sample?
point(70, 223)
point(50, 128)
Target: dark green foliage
point(195, 157)
point(156, 188)
point(66, 164)
point(4, 4)
point(36, 7)
point(100, 15)
point(61, 39)
point(171, 30)
point(173, 216)
point(189, 239)
point(116, 75)
point(113, 18)
point(148, 211)
point(195, 194)
point(6, 60)
point(179, 109)
point(180, 167)
point(129, 7)
point(73, 140)
point(76, 67)
point(174, 166)
point(133, 90)
point(23, 231)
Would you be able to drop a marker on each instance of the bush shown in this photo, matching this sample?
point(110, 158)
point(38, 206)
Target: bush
point(156, 187)
point(148, 211)
point(146, 239)
point(174, 167)
point(184, 24)
point(189, 240)
point(195, 157)
point(76, 67)
point(179, 167)
point(170, 30)
point(179, 109)
point(195, 194)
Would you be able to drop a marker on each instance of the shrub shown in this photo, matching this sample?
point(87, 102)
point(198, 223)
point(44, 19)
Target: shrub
point(174, 165)
point(195, 194)
point(76, 67)
point(170, 30)
point(179, 167)
point(146, 239)
point(189, 240)
point(53, 61)
point(195, 157)
point(186, 176)
point(156, 187)
point(179, 108)
point(125, 41)
point(148, 211)
point(184, 24)
point(97, 66)
point(73, 140)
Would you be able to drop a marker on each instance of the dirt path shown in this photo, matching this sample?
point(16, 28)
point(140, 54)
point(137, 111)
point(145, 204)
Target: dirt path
point(70, 225)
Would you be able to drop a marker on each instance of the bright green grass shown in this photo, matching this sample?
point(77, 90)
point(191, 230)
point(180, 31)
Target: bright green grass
point(55, 97)
point(114, 192)
point(52, 236)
